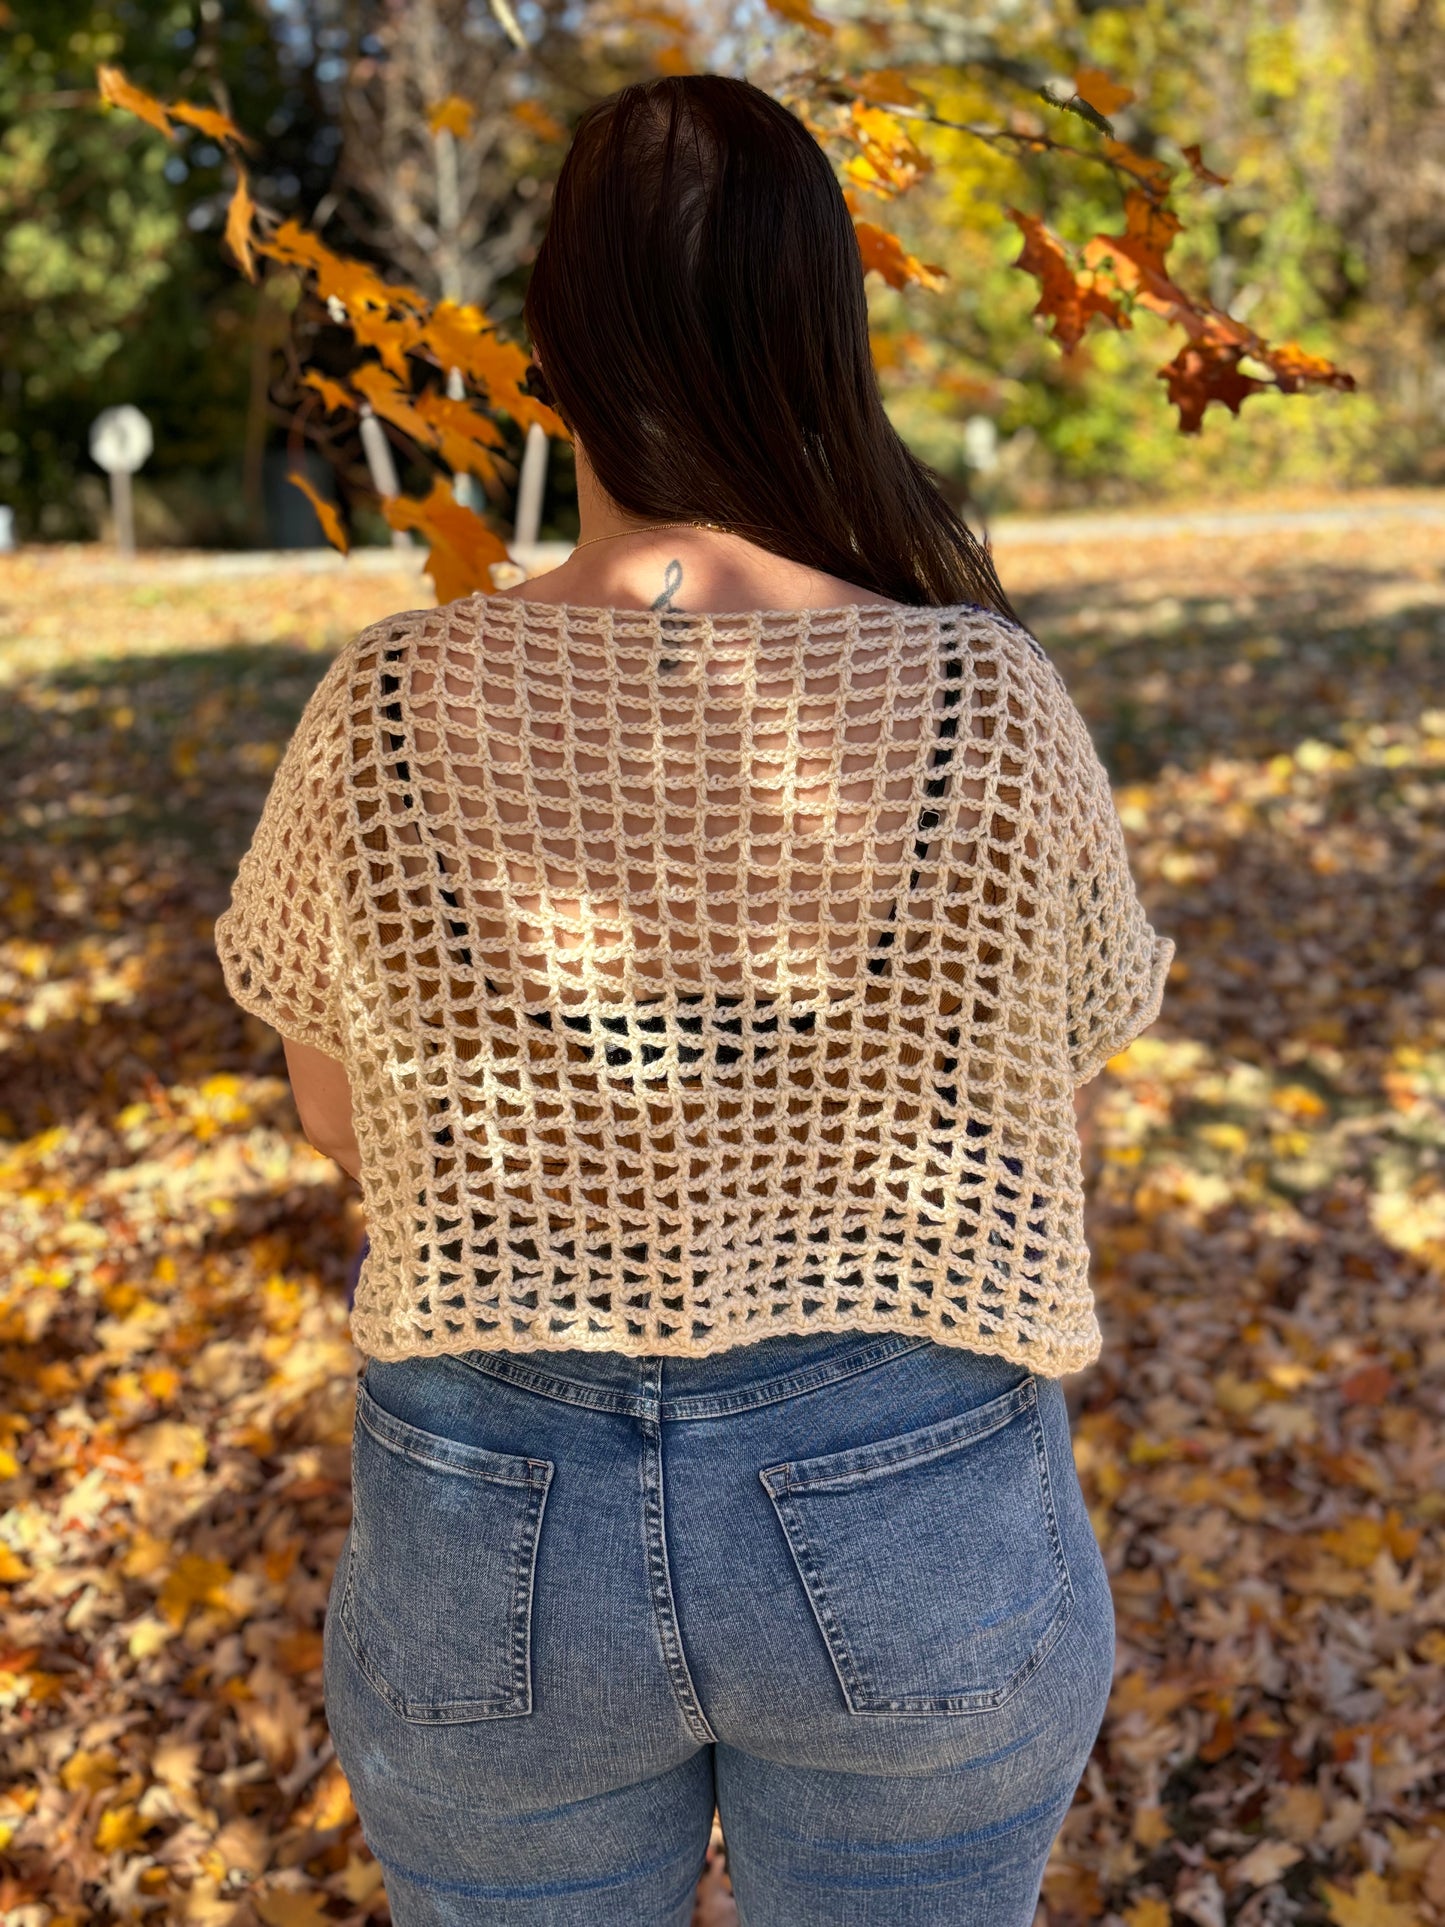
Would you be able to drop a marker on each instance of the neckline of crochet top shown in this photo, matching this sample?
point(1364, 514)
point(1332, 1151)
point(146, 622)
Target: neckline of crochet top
point(821, 615)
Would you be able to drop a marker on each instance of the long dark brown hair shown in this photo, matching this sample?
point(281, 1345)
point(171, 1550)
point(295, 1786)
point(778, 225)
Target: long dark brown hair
point(697, 306)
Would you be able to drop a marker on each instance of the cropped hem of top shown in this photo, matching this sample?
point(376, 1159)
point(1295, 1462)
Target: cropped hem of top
point(703, 978)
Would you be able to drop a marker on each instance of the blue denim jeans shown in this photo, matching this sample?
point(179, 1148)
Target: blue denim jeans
point(844, 1588)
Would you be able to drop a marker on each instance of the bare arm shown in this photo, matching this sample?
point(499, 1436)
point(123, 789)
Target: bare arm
point(323, 1100)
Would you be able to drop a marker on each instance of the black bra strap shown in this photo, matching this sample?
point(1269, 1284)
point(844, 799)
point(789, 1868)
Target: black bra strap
point(935, 790)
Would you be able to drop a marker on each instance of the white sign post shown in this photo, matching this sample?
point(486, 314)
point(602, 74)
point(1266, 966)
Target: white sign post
point(120, 440)
point(377, 450)
point(531, 487)
point(530, 557)
point(464, 487)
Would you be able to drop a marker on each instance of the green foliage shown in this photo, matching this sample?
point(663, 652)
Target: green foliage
point(1289, 101)
point(112, 285)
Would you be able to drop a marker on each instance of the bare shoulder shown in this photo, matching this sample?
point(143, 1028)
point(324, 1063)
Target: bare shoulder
point(686, 571)
point(837, 594)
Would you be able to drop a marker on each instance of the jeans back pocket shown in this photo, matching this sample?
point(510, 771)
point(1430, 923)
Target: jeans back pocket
point(932, 1562)
point(437, 1594)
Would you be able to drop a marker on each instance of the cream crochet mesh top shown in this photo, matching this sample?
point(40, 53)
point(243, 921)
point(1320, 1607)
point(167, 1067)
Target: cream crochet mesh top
point(702, 978)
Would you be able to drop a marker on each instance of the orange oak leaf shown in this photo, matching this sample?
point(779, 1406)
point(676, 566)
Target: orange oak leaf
point(325, 512)
point(121, 1830)
point(382, 315)
point(456, 430)
point(462, 545)
point(1135, 258)
point(333, 393)
point(351, 282)
point(115, 88)
point(289, 1907)
point(800, 14)
point(1204, 371)
point(451, 116)
point(1072, 1892)
point(1367, 1904)
point(1199, 170)
point(538, 121)
point(888, 162)
point(209, 121)
point(239, 216)
point(674, 55)
point(1293, 368)
point(193, 1581)
point(460, 435)
point(885, 254)
point(1371, 1384)
point(1101, 90)
point(461, 336)
point(669, 19)
point(885, 87)
point(1068, 297)
point(1154, 175)
point(392, 336)
point(1149, 232)
point(1360, 1538)
point(1208, 368)
point(299, 1652)
point(331, 1804)
point(392, 401)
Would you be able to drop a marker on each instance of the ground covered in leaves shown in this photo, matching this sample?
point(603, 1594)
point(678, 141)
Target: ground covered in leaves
point(1261, 1443)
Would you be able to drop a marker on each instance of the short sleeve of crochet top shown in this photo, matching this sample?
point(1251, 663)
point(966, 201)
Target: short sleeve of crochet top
point(703, 978)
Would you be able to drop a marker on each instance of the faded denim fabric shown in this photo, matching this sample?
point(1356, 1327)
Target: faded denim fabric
point(845, 1587)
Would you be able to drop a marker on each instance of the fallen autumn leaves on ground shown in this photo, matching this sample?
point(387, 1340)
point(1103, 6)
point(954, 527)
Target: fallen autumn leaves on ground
point(1261, 1443)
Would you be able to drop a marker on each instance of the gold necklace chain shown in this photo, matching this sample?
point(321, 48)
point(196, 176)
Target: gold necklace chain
point(648, 528)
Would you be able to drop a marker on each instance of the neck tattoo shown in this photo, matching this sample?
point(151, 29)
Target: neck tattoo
point(672, 582)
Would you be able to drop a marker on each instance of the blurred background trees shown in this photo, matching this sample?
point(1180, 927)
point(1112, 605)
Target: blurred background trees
point(112, 287)
point(423, 134)
point(1328, 117)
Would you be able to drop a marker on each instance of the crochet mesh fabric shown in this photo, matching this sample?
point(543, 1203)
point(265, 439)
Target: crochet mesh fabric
point(703, 978)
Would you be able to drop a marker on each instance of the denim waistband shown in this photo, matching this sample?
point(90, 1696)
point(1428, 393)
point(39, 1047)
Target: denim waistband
point(738, 1380)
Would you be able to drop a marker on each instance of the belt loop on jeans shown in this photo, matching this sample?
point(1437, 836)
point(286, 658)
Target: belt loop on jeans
point(649, 1388)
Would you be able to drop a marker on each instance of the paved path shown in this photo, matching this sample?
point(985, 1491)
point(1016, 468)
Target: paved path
point(1075, 528)
point(1106, 526)
point(186, 565)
